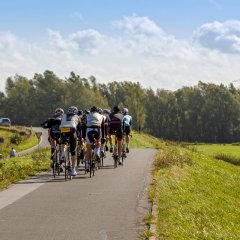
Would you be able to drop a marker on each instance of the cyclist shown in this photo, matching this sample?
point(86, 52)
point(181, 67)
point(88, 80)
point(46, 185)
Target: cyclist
point(95, 126)
point(105, 114)
point(52, 124)
point(116, 126)
point(127, 120)
point(72, 121)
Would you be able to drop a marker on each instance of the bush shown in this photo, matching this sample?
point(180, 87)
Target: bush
point(228, 158)
point(172, 156)
point(16, 139)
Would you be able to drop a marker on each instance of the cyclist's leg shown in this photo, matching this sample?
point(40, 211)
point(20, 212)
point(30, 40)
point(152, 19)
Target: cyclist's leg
point(127, 131)
point(110, 132)
point(88, 148)
point(73, 139)
point(119, 141)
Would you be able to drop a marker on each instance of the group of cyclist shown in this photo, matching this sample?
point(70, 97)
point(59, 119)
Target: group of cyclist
point(87, 126)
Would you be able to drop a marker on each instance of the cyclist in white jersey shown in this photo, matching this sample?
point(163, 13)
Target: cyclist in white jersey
point(72, 121)
point(95, 129)
point(127, 121)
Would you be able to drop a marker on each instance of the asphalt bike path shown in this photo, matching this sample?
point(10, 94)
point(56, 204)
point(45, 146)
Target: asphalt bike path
point(108, 206)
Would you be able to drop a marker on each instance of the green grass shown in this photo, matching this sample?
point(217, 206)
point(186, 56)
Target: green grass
point(13, 170)
point(142, 140)
point(197, 196)
point(26, 139)
point(226, 152)
point(214, 149)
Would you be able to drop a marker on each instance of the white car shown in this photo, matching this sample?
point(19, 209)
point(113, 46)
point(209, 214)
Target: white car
point(5, 122)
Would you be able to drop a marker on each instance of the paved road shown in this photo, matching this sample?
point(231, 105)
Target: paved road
point(42, 143)
point(108, 206)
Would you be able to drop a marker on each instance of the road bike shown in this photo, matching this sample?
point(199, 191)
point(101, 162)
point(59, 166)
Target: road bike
point(124, 155)
point(67, 153)
point(94, 160)
point(56, 166)
point(81, 163)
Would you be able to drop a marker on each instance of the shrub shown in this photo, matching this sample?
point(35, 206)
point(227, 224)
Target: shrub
point(16, 139)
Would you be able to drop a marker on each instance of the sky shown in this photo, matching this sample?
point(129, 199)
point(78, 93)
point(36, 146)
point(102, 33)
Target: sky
point(160, 44)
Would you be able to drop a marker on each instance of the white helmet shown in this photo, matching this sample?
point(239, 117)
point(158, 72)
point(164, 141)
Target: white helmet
point(59, 112)
point(72, 110)
point(125, 111)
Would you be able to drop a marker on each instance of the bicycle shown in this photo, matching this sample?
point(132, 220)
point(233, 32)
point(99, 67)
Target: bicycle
point(56, 162)
point(94, 163)
point(124, 155)
point(115, 155)
point(67, 155)
point(80, 155)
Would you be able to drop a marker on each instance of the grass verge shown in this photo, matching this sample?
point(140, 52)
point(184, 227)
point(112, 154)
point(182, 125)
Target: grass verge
point(17, 137)
point(13, 170)
point(197, 197)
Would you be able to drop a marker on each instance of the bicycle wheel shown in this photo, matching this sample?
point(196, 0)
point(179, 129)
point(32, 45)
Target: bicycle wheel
point(123, 151)
point(101, 158)
point(91, 168)
point(54, 169)
point(115, 157)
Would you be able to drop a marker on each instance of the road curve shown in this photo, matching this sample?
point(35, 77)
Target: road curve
point(108, 206)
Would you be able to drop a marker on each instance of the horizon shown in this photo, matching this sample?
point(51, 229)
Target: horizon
point(160, 45)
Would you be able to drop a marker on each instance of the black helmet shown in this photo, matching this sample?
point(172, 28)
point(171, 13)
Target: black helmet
point(94, 109)
point(116, 109)
point(106, 111)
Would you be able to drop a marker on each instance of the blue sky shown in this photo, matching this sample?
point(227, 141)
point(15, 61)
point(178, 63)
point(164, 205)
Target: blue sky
point(162, 44)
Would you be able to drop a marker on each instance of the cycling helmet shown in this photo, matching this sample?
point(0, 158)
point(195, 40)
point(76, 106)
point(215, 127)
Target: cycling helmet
point(94, 109)
point(80, 113)
point(125, 111)
point(86, 111)
point(58, 112)
point(106, 111)
point(72, 110)
point(116, 109)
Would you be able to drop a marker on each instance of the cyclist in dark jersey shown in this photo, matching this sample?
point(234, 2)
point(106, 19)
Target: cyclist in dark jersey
point(116, 126)
point(52, 124)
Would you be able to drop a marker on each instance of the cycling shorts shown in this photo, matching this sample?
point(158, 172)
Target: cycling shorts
point(93, 133)
point(70, 137)
point(116, 129)
point(127, 130)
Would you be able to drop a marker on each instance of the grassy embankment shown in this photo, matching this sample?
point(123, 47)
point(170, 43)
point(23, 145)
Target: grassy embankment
point(17, 137)
point(14, 169)
point(197, 196)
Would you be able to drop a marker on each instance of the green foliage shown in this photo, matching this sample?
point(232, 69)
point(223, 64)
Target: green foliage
point(203, 113)
point(228, 158)
point(13, 170)
point(198, 199)
point(18, 137)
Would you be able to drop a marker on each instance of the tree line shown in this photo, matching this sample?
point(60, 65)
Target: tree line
point(204, 113)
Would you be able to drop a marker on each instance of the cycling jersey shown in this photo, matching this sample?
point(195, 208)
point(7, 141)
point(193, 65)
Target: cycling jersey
point(74, 123)
point(95, 126)
point(53, 125)
point(127, 120)
point(116, 124)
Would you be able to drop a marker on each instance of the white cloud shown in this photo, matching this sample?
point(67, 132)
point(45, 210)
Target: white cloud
point(141, 51)
point(87, 41)
point(224, 37)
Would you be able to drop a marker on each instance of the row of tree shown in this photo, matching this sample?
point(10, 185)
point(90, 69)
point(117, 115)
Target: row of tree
point(204, 113)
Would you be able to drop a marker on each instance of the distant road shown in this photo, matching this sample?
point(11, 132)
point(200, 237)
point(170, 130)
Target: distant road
point(109, 206)
point(43, 142)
